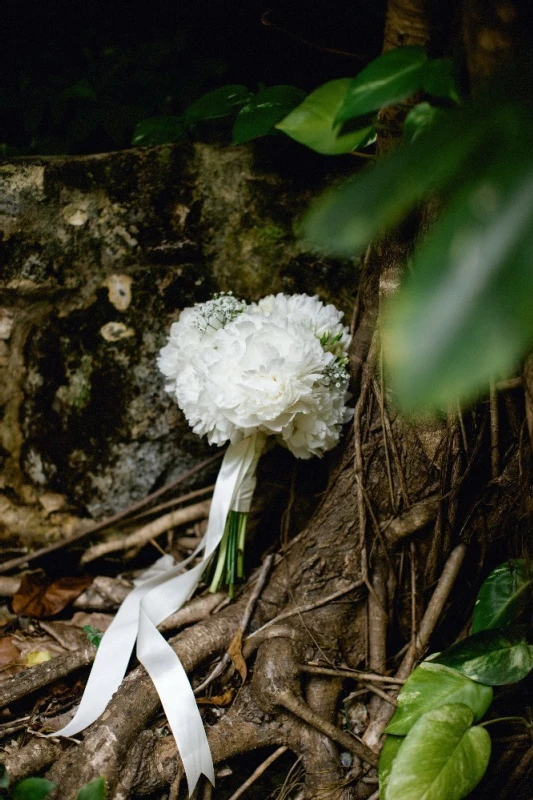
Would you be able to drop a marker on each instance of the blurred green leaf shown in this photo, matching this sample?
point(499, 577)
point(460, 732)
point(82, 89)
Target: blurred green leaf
point(32, 789)
point(4, 777)
point(438, 79)
point(464, 316)
point(503, 596)
point(389, 751)
point(158, 130)
point(219, 103)
point(261, 113)
point(419, 118)
point(495, 657)
point(313, 122)
point(441, 758)
point(432, 685)
point(388, 79)
point(95, 790)
point(346, 218)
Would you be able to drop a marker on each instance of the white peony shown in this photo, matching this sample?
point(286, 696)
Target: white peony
point(271, 367)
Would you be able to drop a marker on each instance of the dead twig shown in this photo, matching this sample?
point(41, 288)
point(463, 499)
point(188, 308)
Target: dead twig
point(141, 537)
point(106, 523)
point(357, 675)
point(261, 769)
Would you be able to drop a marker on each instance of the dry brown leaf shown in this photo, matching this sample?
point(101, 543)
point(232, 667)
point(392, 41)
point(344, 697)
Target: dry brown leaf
point(217, 699)
point(8, 652)
point(235, 653)
point(40, 597)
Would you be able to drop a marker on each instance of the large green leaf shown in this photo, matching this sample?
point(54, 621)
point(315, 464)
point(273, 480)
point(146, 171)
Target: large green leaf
point(345, 219)
point(95, 790)
point(32, 789)
point(388, 79)
point(442, 757)
point(219, 103)
point(494, 657)
point(420, 118)
point(432, 685)
point(438, 79)
point(313, 122)
point(464, 315)
point(389, 751)
point(503, 596)
point(158, 130)
point(261, 113)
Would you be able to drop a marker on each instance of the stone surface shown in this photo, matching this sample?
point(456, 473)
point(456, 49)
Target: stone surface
point(98, 255)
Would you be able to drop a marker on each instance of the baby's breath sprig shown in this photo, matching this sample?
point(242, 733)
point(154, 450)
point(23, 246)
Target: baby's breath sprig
point(336, 374)
point(217, 312)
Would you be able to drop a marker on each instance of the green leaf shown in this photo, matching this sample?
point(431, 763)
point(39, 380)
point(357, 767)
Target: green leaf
point(494, 657)
point(503, 596)
point(421, 117)
point(432, 685)
point(389, 751)
point(32, 789)
point(261, 113)
point(158, 130)
point(95, 790)
point(349, 216)
point(464, 316)
point(438, 79)
point(388, 79)
point(219, 103)
point(313, 122)
point(441, 758)
point(4, 777)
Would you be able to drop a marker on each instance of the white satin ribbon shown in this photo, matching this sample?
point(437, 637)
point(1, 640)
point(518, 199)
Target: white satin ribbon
point(160, 594)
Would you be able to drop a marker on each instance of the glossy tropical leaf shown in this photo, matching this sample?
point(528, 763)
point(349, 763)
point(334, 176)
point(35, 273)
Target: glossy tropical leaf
point(263, 111)
point(389, 751)
point(419, 118)
point(388, 79)
point(219, 103)
point(464, 315)
point(441, 758)
point(438, 79)
point(503, 596)
point(313, 122)
point(158, 130)
point(345, 219)
point(32, 789)
point(432, 685)
point(95, 790)
point(494, 657)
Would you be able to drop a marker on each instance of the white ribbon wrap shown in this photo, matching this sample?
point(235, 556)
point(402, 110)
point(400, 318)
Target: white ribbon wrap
point(160, 594)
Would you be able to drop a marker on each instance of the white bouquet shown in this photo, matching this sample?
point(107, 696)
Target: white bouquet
point(273, 368)
point(241, 373)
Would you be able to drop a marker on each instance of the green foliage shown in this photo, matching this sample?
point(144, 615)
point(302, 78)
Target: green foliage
point(94, 636)
point(438, 79)
point(388, 79)
point(4, 777)
point(442, 757)
point(95, 790)
point(313, 122)
point(432, 685)
point(419, 118)
point(463, 315)
point(263, 111)
point(219, 103)
point(32, 789)
point(503, 597)
point(389, 751)
point(158, 130)
point(494, 657)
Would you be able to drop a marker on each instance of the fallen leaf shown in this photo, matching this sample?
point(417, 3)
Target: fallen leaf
point(8, 652)
point(39, 597)
point(217, 699)
point(37, 657)
point(95, 619)
point(235, 653)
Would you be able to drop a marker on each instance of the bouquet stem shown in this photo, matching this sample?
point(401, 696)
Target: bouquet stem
point(230, 560)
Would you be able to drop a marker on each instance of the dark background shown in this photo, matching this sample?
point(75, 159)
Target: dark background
point(75, 77)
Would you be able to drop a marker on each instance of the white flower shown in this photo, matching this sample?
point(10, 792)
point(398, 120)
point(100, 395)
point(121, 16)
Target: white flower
point(269, 368)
